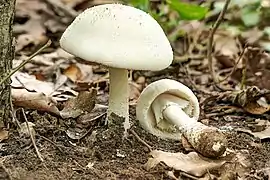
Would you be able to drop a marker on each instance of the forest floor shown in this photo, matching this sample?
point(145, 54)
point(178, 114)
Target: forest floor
point(85, 148)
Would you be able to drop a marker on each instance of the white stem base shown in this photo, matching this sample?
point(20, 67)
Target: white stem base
point(119, 95)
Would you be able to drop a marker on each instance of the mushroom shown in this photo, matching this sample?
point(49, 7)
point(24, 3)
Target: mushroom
point(122, 38)
point(169, 109)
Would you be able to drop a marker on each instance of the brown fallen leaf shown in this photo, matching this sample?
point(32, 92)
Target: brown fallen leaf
point(25, 81)
point(187, 146)
point(73, 72)
point(3, 135)
point(260, 130)
point(76, 133)
point(251, 99)
point(226, 48)
point(97, 113)
point(257, 107)
point(191, 163)
point(83, 103)
point(225, 45)
point(32, 31)
point(235, 163)
point(237, 167)
point(34, 100)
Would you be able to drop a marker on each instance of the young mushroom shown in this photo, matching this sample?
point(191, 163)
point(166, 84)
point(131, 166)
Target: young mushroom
point(122, 38)
point(169, 109)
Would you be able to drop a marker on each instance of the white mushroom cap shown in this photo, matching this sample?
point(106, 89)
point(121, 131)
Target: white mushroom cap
point(149, 121)
point(118, 36)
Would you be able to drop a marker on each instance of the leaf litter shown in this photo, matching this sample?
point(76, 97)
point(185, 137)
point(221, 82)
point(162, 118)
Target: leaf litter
point(199, 166)
point(66, 101)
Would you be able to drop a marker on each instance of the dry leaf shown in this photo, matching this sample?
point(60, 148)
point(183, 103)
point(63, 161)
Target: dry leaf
point(3, 135)
point(258, 107)
point(225, 45)
point(98, 112)
point(73, 72)
point(76, 133)
point(32, 30)
point(235, 163)
point(31, 93)
point(190, 163)
point(265, 134)
point(60, 81)
point(23, 80)
point(250, 99)
point(33, 100)
point(237, 166)
point(186, 145)
point(83, 103)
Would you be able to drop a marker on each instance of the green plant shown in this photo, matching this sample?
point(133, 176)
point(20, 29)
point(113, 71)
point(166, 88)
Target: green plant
point(188, 11)
point(169, 13)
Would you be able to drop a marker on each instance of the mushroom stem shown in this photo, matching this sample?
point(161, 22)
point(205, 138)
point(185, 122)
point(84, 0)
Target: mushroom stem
point(119, 95)
point(170, 108)
point(175, 115)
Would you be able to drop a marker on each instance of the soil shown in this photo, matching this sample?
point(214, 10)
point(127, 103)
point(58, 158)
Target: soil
point(103, 153)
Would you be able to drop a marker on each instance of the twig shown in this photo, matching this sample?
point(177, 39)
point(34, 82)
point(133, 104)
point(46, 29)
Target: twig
point(25, 62)
point(32, 137)
point(244, 74)
point(53, 143)
point(139, 139)
point(211, 39)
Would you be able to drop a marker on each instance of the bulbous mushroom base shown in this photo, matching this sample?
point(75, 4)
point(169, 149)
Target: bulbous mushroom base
point(208, 141)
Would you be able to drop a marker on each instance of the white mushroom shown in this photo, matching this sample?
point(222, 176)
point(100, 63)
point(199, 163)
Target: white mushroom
point(169, 109)
point(120, 37)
